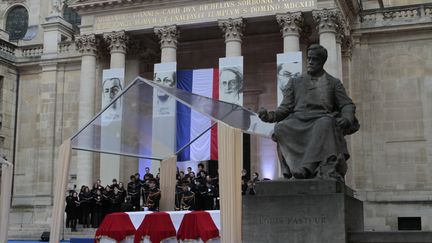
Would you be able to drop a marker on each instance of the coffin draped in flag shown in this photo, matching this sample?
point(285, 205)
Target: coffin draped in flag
point(190, 123)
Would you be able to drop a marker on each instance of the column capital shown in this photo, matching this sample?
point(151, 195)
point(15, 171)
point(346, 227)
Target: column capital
point(291, 23)
point(167, 35)
point(117, 41)
point(328, 20)
point(87, 44)
point(232, 28)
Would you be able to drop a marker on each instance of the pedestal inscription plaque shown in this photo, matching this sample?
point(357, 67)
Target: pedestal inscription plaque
point(312, 211)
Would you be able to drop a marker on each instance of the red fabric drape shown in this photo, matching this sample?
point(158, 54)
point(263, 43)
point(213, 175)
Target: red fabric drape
point(115, 226)
point(197, 224)
point(156, 225)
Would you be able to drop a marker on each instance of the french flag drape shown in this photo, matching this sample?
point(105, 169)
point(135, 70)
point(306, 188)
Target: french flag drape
point(190, 123)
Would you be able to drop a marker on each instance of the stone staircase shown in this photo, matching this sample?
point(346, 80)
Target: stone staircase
point(34, 232)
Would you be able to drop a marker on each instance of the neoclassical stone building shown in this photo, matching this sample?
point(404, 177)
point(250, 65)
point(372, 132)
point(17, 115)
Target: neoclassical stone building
point(52, 56)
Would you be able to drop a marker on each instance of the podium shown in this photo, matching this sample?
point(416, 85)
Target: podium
point(130, 135)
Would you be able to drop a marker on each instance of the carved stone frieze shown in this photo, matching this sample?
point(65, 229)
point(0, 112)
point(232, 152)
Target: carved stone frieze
point(328, 20)
point(412, 13)
point(291, 23)
point(87, 44)
point(117, 41)
point(57, 8)
point(342, 29)
point(167, 35)
point(347, 46)
point(141, 50)
point(232, 28)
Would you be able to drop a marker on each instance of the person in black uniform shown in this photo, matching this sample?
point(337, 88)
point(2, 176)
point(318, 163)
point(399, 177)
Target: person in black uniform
point(122, 191)
point(147, 173)
point(209, 196)
point(115, 201)
point(74, 211)
point(68, 209)
point(153, 198)
point(106, 195)
point(97, 209)
point(86, 203)
point(134, 191)
point(186, 198)
point(114, 184)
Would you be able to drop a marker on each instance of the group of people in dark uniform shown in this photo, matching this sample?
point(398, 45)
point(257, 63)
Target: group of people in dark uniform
point(197, 191)
point(89, 207)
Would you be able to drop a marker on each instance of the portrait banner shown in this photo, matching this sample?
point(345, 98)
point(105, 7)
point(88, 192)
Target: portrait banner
point(112, 84)
point(164, 114)
point(111, 118)
point(231, 80)
point(289, 65)
point(164, 74)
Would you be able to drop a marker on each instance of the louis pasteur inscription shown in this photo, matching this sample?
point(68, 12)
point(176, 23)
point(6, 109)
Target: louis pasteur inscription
point(200, 13)
point(265, 220)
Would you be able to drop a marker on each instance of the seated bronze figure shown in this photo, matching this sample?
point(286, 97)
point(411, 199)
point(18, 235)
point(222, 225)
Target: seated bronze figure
point(311, 122)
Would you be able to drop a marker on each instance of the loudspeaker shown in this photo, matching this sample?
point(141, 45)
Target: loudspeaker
point(45, 236)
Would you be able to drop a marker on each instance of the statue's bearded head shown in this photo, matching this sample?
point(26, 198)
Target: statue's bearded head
point(316, 57)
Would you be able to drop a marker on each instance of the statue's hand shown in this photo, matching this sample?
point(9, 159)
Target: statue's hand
point(263, 114)
point(343, 122)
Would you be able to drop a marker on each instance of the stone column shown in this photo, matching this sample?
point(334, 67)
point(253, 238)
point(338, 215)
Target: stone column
point(340, 37)
point(327, 23)
point(87, 46)
point(230, 142)
point(233, 32)
point(117, 42)
point(166, 125)
point(168, 36)
point(110, 166)
point(132, 70)
point(291, 24)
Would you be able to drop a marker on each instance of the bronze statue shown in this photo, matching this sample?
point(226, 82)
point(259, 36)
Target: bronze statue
point(312, 120)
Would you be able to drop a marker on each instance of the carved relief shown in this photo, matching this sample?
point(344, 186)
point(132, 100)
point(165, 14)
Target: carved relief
point(141, 50)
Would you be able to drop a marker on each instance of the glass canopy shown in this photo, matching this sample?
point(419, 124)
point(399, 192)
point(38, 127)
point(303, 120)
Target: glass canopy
point(143, 121)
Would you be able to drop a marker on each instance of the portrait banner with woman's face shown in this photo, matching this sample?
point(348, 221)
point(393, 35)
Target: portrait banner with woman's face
point(112, 85)
point(289, 65)
point(164, 74)
point(231, 79)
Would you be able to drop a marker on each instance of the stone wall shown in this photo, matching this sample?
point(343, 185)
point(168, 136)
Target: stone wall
point(48, 111)
point(392, 153)
point(8, 78)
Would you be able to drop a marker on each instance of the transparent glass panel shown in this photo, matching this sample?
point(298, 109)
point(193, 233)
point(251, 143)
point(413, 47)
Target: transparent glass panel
point(231, 114)
point(147, 120)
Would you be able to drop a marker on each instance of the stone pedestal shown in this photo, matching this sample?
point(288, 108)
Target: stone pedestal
point(312, 211)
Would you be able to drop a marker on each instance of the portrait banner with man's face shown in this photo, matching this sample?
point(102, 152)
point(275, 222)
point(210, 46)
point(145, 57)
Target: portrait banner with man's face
point(112, 85)
point(164, 74)
point(289, 65)
point(231, 79)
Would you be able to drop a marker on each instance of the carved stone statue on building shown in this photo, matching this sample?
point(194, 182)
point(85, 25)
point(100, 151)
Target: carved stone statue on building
point(312, 120)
